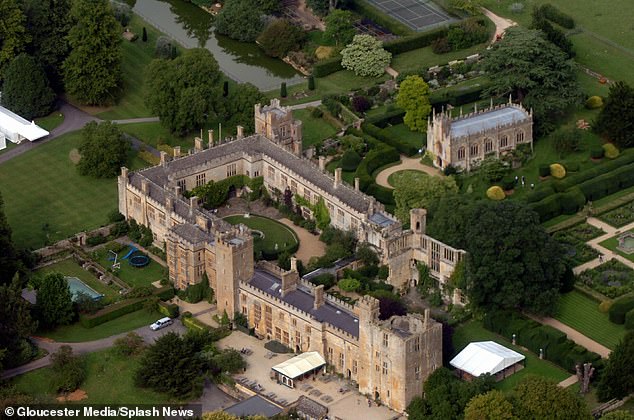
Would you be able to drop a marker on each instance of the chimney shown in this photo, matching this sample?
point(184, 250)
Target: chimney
point(337, 177)
point(177, 190)
point(163, 158)
point(193, 202)
point(201, 221)
point(322, 163)
point(240, 131)
point(198, 144)
point(145, 187)
point(177, 151)
point(426, 318)
point(169, 204)
point(293, 264)
point(319, 296)
point(211, 138)
point(356, 184)
point(289, 282)
point(124, 173)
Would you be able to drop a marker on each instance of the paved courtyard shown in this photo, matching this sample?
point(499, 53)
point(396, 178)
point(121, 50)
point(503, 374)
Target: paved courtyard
point(325, 389)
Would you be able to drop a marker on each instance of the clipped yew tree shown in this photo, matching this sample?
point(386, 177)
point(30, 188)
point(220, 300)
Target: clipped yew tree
point(26, 90)
point(365, 56)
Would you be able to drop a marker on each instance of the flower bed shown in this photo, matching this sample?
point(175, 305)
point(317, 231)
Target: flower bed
point(612, 278)
point(574, 241)
point(620, 216)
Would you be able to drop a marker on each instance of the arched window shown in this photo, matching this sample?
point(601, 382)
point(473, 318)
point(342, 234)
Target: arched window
point(488, 146)
point(473, 150)
point(504, 141)
point(461, 153)
point(520, 137)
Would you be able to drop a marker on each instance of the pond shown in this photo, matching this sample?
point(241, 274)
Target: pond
point(192, 27)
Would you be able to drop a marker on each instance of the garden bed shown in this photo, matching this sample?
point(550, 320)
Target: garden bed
point(620, 216)
point(574, 241)
point(272, 237)
point(612, 278)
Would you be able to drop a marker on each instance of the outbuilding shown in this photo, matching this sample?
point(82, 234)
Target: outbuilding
point(297, 368)
point(487, 357)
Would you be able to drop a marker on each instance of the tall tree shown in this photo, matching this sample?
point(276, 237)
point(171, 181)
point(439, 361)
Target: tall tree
point(617, 379)
point(490, 406)
point(103, 150)
point(365, 56)
point(26, 90)
point(13, 34)
point(240, 20)
point(8, 254)
point(239, 109)
point(184, 92)
point(92, 71)
point(54, 301)
point(48, 22)
point(535, 72)
point(339, 27)
point(414, 191)
point(280, 37)
point(616, 119)
point(536, 397)
point(512, 262)
point(16, 324)
point(413, 97)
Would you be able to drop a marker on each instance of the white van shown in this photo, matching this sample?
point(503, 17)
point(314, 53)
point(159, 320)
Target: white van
point(161, 323)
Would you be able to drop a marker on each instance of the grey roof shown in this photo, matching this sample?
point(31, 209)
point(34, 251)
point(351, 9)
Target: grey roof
point(487, 121)
point(339, 264)
point(254, 406)
point(302, 299)
point(192, 233)
point(311, 407)
point(381, 219)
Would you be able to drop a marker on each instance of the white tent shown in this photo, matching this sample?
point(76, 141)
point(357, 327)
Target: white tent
point(16, 128)
point(299, 365)
point(485, 357)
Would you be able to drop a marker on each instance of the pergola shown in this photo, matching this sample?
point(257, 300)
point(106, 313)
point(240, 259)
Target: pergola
point(297, 368)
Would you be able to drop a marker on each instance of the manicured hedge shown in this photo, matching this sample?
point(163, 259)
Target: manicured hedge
point(393, 117)
point(384, 195)
point(540, 193)
point(377, 157)
point(555, 15)
point(629, 320)
point(168, 309)
point(383, 136)
point(111, 312)
point(164, 293)
point(364, 8)
point(326, 67)
point(569, 202)
point(620, 308)
point(193, 324)
point(530, 334)
point(415, 42)
point(627, 156)
point(457, 97)
point(544, 170)
point(608, 183)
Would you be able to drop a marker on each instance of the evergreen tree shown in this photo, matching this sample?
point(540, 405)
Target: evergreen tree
point(283, 92)
point(13, 34)
point(92, 71)
point(26, 90)
point(225, 88)
point(8, 254)
point(617, 379)
point(16, 324)
point(54, 301)
point(144, 36)
point(616, 119)
point(311, 82)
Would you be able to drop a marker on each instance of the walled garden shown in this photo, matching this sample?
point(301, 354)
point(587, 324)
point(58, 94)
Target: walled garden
point(574, 240)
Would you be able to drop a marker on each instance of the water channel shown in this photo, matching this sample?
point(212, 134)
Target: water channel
point(192, 27)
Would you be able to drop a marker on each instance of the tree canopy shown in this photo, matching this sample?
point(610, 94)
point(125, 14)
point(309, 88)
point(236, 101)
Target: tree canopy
point(413, 97)
point(239, 107)
point(13, 34)
point(490, 406)
point(339, 27)
point(535, 72)
point(54, 301)
point(16, 325)
point(240, 20)
point(616, 120)
point(414, 191)
point(26, 90)
point(8, 254)
point(184, 92)
point(617, 378)
point(103, 150)
point(280, 37)
point(536, 397)
point(365, 56)
point(92, 71)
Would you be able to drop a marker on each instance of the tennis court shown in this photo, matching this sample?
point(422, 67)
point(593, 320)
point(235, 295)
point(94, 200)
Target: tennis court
point(417, 14)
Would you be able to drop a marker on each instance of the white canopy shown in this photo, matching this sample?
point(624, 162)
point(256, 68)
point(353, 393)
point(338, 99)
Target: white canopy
point(298, 365)
point(485, 357)
point(13, 123)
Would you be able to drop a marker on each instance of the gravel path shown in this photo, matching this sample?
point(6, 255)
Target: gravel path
point(406, 163)
point(607, 254)
point(500, 23)
point(309, 244)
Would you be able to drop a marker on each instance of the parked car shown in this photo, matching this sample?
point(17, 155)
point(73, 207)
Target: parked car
point(161, 323)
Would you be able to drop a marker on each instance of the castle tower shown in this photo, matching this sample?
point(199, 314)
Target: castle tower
point(276, 123)
point(438, 137)
point(234, 264)
point(418, 225)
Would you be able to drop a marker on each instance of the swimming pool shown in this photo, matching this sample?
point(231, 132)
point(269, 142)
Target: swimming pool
point(77, 286)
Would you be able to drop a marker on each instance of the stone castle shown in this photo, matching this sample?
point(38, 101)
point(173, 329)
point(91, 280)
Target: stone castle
point(388, 359)
point(464, 141)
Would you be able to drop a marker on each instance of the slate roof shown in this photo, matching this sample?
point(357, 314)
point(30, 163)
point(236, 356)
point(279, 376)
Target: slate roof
point(192, 233)
point(254, 406)
point(302, 299)
point(381, 219)
point(311, 407)
point(486, 121)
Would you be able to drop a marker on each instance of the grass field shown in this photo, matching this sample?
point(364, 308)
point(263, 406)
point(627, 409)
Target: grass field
point(133, 276)
point(394, 178)
point(50, 121)
point(403, 133)
point(474, 331)
point(424, 58)
point(109, 380)
point(75, 333)
point(582, 313)
point(70, 268)
point(274, 232)
point(314, 129)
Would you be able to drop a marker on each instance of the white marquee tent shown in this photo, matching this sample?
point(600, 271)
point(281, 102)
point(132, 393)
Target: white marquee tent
point(300, 365)
point(485, 357)
point(16, 129)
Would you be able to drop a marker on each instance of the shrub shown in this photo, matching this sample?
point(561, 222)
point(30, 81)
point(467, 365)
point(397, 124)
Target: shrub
point(311, 82)
point(557, 171)
point(283, 92)
point(604, 306)
point(361, 104)
point(620, 307)
point(349, 285)
point(114, 216)
point(594, 102)
point(496, 193)
point(572, 166)
point(68, 370)
point(129, 345)
point(629, 320)
point(326, 67)
point(610, 151)
point(96, 240)
point(316, 113)
point(516, 8)
point(328, 280)
point(596, 152)
point(508, 183)
point(441, 46)
point(168, 309)
point(165, 48)
point(555, 15)
point(544, 170)
point(350, 160)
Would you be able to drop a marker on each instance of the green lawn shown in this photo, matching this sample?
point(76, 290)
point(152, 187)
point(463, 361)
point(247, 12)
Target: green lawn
point(424, 58)
point(403, 133)
point(133, 276)
point(153, 134)
point(582, 313)
point(50, 121)
point(70, 268)
point(612, 243)
point(75, 333)
point(42, 188)
point(10, 145)
point(109, 380)
point(474, 331)
point(274, 232)
point(314, 129)
point(394, 178)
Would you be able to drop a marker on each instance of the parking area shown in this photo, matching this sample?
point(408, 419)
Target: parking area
point(339, 395)
point(416, 14)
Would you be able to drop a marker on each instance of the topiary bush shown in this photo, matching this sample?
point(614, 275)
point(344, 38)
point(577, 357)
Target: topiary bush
point(572, 166)
point(557, 171)
point(594, 102)
point(629, 320)
point(508, 183)
point(350, 160)
point(596, 152)
point(620, 308)
point(544, 170)
point(496, 193)
point(316, 113)
point(604, 306)
point(610, 151)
